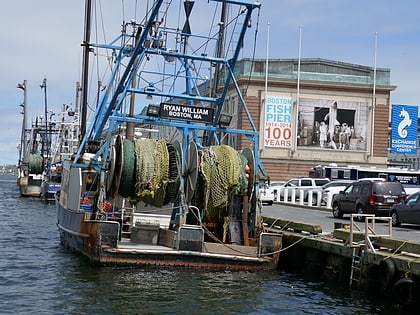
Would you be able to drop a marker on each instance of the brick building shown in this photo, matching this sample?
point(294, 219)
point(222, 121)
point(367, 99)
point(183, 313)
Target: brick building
point(319, 115)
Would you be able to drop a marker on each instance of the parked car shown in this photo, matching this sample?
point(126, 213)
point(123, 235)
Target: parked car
point(266, 194)
point(332, 188)
point(368, 197)
point(277, 187)
point(411, 188)
point(302, 183)
point(407, 211)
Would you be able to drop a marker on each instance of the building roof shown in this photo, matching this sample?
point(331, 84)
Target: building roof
point(314, 69)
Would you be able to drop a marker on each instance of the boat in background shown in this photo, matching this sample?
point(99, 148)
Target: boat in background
point(64, 138)
point(31, 161)
point(161, 184)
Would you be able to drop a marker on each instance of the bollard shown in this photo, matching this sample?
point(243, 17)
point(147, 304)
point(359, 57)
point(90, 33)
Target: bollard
point(293, 196)
point(310, 198)
point(319, 198)
point(286, 195)
point(301, 192)
point(329, 199)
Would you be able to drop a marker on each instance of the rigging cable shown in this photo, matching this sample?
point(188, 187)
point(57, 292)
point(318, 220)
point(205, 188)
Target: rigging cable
point(255, 46)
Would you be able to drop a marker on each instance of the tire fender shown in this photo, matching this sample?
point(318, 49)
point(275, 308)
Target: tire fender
point(387, 273)
point(406, 291)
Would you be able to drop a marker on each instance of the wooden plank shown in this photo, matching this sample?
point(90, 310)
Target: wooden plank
point(344, 234)
point(296, 226)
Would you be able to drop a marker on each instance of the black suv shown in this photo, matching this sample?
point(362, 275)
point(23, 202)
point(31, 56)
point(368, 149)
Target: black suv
point(368, 197)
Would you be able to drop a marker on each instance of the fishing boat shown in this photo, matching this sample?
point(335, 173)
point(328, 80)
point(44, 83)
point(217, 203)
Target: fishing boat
point(64, 142)
point(31, 161)
point(161, 178)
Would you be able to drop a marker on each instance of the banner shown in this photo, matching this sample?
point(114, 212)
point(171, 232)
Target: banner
point(278, 122)
point(404, 120)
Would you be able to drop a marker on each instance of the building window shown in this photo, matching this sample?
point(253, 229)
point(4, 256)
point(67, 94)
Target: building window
point(259, 67)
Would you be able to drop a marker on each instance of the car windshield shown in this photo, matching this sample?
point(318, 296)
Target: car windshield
point(349, 189)
point(277, 184)
point(320, 182)
point(412, 199)
point(293, 183)
point(333, 184)
point(388, 189)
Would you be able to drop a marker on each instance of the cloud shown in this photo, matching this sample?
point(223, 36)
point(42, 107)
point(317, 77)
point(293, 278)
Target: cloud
point(42, 39)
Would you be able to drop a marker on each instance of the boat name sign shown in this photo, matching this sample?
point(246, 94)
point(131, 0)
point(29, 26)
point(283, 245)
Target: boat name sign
point(201, 114)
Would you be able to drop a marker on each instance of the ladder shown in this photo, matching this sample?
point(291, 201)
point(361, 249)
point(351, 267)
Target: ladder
point(126, 219)
point(356, 267)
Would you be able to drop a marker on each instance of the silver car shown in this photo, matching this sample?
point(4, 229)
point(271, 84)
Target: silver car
point(266, 194)
point(332, 188)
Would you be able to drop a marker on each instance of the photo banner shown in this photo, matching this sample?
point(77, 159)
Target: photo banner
point(404, 120)
point(278, 122)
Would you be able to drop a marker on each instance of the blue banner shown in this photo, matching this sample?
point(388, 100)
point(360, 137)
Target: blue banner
point(404, 129)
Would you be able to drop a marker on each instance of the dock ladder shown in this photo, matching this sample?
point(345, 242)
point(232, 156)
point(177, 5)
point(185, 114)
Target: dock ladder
point(356, 267)
point(370, 232)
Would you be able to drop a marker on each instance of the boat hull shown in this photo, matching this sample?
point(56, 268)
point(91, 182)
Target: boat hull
point(29, 186)
point(100, 242)
point(49, 189)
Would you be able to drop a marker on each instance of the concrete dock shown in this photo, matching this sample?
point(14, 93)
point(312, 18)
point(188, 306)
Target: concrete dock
point(360, 255)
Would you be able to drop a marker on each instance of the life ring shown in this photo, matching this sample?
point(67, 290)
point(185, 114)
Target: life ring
point(387, 272)
point(406, 291)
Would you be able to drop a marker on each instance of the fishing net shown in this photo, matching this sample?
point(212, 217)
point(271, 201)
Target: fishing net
point(152, 171)
point(36, 163)
point(128, 173)
point(224, 172)
point(174, 180)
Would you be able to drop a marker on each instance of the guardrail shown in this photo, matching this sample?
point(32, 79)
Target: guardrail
point(297, 197)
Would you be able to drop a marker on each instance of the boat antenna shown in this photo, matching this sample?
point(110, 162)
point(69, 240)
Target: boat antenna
point(45, 143)
point(85, 69)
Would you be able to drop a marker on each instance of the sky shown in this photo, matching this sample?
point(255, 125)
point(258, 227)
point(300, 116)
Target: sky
point(41, 39)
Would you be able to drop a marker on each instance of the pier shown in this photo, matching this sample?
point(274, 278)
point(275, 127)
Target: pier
point(361, 255)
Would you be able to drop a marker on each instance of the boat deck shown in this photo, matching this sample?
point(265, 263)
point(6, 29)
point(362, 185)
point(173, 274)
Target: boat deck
point(127, 245)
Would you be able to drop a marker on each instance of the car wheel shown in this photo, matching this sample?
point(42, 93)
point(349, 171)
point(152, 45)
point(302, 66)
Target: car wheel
point(337, 211)
point(394, 218)
point(359, 210)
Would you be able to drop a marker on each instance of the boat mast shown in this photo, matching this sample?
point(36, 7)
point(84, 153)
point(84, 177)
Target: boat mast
point(220, 47)
point(45, 150)
point(85, 69)
point(23, 149)
point(130, 125)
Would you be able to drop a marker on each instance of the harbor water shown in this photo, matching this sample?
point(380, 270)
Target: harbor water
point(39, 276)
